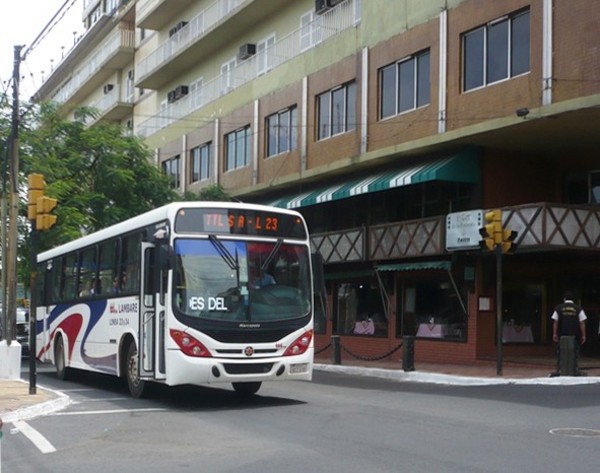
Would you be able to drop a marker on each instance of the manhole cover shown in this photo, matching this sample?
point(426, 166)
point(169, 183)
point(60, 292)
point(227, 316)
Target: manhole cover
point(576, 432)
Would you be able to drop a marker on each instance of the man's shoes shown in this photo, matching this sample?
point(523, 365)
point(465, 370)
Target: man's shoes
point(554, 374)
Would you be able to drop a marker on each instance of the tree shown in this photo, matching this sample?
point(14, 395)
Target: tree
point(214, 192)
point(99, 174)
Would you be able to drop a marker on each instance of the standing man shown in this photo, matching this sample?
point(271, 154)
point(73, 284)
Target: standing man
point(568, 320)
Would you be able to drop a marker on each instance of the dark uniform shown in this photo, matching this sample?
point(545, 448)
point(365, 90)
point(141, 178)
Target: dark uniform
point(569, 320)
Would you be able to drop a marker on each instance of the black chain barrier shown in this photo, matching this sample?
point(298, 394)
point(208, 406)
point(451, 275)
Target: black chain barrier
point(372, 358)
point(359, 357)
point(318, 352)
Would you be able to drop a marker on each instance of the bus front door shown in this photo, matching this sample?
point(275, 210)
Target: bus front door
point(151, 350)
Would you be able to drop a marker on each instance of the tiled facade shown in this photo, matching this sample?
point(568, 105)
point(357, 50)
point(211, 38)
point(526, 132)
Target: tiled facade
point(184, 86)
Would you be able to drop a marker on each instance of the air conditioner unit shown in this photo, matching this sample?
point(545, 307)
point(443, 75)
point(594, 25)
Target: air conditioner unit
point(107, 88)
point(177, 27)
point(246, 50)
point(321, 6)
point(171, 96)
point(333, 3)
point(181, 90)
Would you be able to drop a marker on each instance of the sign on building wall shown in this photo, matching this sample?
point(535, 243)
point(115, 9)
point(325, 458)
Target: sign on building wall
point(462, 230)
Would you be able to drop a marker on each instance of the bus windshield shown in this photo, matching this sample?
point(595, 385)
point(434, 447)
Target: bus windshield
point(241, 281)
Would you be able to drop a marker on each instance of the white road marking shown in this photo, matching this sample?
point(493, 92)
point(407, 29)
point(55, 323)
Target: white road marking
point(112, 411)
point(36, 438)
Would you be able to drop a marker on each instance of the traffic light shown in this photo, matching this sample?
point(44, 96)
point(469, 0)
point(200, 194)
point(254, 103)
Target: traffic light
point(36, 190)
point(508, 241)
point(39, 206)
point(492, 230)
point(44, 220)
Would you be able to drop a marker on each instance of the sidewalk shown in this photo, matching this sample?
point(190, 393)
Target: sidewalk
point(17, 404)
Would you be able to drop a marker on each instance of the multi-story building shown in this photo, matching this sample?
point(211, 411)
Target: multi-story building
point(393, 126)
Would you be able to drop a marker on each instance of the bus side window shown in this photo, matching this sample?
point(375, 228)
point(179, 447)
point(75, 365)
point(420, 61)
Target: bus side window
point(130, 262)
point(70, 278)
point(108, 267)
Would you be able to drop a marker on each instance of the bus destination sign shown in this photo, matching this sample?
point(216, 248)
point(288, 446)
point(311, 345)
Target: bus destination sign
point(239, 222)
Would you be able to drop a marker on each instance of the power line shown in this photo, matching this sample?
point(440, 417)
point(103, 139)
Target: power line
point(49, 26)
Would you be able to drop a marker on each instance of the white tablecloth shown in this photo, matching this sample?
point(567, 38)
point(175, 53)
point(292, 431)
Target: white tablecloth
point(431, 330)
point(517, 334)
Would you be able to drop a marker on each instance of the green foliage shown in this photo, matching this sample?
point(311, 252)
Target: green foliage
point(214, 192)
point(99, 174)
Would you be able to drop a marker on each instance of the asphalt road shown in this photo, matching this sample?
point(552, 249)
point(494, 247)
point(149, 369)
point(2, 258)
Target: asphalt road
point(335, 424)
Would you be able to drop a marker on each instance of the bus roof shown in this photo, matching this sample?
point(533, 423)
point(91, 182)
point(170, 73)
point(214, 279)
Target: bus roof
point(166, 212)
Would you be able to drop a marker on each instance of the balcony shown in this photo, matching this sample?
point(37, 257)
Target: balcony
point(208, 32)
point(115, 53)
point(113, 106)
point(155, 14)
point(540, 226)
point(324, 27)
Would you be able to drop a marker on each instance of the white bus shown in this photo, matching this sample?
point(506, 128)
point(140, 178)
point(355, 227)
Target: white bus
point(189, 293)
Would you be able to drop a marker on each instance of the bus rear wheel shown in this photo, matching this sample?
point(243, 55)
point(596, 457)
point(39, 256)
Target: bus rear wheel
point(246, 389)
point(137, 386)
point(60, 359)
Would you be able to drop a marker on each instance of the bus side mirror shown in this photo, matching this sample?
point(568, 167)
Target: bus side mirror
point(318, 274)
point(165, 257)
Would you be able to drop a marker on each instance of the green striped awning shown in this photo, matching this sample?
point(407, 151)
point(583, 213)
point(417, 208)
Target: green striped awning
point(461, 167)
point(419, 266)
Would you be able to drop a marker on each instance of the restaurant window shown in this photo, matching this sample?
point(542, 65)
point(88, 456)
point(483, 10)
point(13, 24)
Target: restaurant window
point(496, 51)
point(360, 308)
point(431, 308)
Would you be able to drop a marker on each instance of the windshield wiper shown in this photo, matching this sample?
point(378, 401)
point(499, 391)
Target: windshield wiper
point(271, 255)
point(231, 261)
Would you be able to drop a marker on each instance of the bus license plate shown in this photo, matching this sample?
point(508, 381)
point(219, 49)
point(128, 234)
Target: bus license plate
point(299, 368)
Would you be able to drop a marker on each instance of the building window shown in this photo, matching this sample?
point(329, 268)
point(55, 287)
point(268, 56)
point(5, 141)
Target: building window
point(310, 30)
point(200, 158)
point(264, 55)
point(360, 310)
point(496, 51)
point(196, 93)
point(431, 308)
point(227, 75)
point(282, 131)
point(405, 85)
point(237, 148)
point(336, 111)
point(171, 168)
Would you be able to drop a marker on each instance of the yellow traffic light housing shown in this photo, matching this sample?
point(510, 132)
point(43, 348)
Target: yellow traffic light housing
point(508, 241)
point(39, 206)
point(492, 230)
point(44, 220)
point(36, 190)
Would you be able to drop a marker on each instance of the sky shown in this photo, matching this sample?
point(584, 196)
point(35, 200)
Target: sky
point(21, 22)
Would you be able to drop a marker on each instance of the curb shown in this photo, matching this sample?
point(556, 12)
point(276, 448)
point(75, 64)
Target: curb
point(455, 380)
point(44, 408)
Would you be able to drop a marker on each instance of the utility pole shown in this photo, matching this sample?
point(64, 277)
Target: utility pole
point(10, 365)
point(13, 232)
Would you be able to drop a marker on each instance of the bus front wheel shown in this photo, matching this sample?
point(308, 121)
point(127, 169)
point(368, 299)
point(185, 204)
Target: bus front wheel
point(137, 386)
point(60, 359)
point(246, 389)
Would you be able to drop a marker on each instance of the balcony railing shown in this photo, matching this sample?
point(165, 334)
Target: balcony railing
point(120, 38)
point(540, 226)
point(108, 105)
point(325, 26)
point(198, 26)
